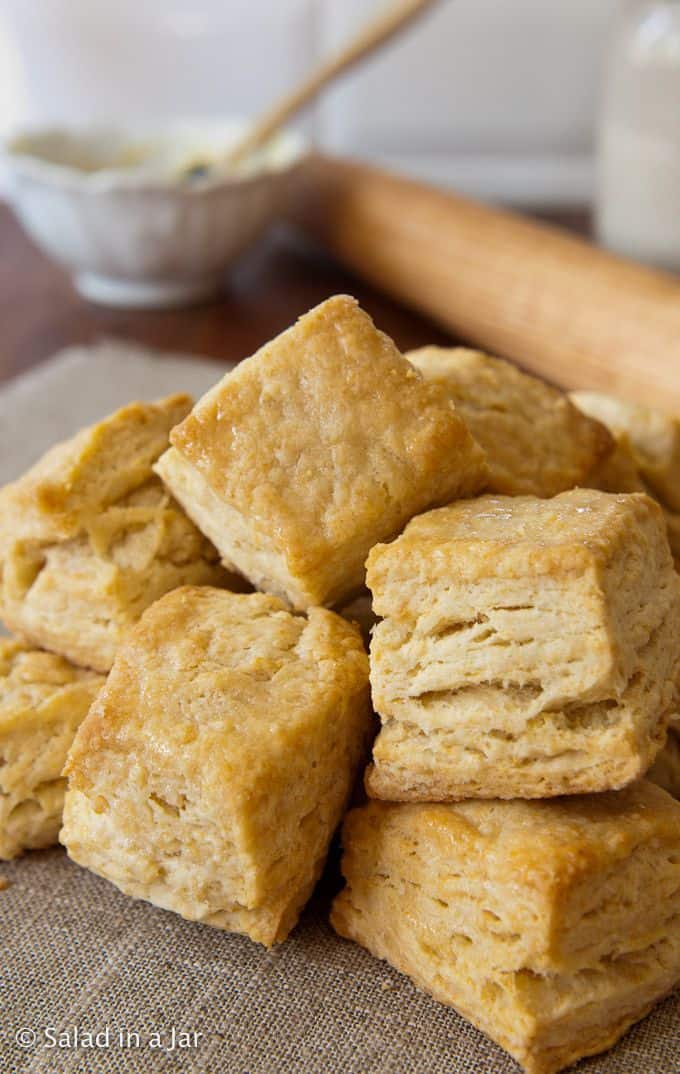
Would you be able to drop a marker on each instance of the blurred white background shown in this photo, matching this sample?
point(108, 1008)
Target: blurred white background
point(497, 98)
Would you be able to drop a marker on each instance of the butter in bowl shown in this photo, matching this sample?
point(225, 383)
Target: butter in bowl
point(148, 218)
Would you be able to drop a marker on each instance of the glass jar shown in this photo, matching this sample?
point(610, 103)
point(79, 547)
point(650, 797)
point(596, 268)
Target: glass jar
point(638, 196)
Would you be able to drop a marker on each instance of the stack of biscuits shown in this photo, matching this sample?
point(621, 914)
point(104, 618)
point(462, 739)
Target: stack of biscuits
point(189, 679)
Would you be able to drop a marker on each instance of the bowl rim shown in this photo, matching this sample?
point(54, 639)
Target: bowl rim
point(20, 161)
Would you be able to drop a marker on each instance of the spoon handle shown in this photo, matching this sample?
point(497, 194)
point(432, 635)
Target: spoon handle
point(368, 40)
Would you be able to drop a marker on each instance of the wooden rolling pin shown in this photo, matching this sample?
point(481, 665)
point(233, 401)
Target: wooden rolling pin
point(576, 315)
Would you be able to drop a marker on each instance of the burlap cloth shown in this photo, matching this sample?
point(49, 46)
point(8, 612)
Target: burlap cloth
point(79, 957)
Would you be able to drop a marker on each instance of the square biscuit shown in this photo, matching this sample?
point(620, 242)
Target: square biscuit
point(551, 925)
point(43, 699)
point(665, 771)
point(90, 537)
point(214, 767)
point(536, 441)
point(323, 443)
point(528, 648)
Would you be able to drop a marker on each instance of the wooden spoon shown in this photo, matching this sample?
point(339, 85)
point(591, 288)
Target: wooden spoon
point(370, 38)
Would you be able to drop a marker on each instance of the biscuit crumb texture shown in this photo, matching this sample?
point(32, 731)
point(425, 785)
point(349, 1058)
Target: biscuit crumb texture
point(310, 452)
point(216, 764)
point(43, 699)
point(528, 648)
point(536, 441)
point(90, 537)
point(552, 926)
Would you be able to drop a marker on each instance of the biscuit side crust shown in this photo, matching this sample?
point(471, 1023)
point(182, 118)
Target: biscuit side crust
point(495, 741)
point(212, 771)
point(265, 568)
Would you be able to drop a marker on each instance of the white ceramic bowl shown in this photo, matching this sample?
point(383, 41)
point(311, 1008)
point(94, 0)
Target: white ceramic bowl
point(117, 209)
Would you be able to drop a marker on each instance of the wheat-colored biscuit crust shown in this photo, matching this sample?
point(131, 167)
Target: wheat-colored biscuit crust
point(308, 453)
point(90, 537)
point(536, 441)
point(216, 763)
point(551, 925)
point(527, 648)
point(43, 699)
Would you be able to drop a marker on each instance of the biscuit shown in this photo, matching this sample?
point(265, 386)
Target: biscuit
point(43, 699)
point(646, 458)
point(536, 441)
point(552, 926)
point(90, 537)
point(214, 767)
point(528, 648)
point(665, 771)
point(323, 443)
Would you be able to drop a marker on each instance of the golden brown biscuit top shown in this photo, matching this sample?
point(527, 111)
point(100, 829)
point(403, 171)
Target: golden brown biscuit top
point(78, 477)
point(571, 530)
point(536, 441)
point(544, 844)
point(325, 425)
point(30, 677)
point(212, 674)
point(654, 439)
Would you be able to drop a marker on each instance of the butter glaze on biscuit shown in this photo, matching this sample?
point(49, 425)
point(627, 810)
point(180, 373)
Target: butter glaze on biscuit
point(310, 452)
point(218, 760)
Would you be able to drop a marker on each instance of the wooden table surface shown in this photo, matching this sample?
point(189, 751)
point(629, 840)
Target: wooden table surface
point(40, 312)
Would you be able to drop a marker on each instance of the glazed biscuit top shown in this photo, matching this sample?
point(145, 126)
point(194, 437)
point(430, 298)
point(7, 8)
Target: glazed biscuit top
point(30, 677)
point(537, 442)
point(545, 844)
point(326, 430)
point(222, 682)
point(524, 535)
point(77, 478)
